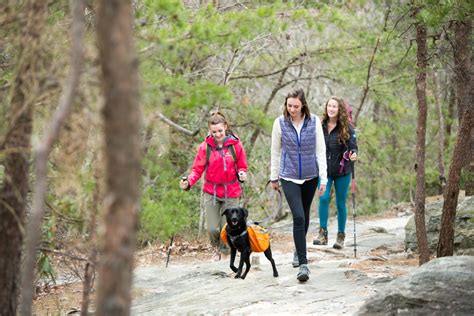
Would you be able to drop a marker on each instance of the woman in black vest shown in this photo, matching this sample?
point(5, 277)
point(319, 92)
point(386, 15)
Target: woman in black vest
point(341, 149)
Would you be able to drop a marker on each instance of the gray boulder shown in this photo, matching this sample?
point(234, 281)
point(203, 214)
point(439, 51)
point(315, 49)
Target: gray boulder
point(443, 286)
point(463, 229)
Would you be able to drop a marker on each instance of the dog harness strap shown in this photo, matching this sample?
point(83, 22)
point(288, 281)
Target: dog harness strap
point(234, 238)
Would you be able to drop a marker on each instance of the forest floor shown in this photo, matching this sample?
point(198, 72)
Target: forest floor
point(194, 284)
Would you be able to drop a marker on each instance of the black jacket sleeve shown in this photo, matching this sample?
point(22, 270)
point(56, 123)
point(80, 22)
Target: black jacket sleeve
point(352, 145)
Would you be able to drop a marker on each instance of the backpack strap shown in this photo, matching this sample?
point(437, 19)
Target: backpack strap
point(231, 150)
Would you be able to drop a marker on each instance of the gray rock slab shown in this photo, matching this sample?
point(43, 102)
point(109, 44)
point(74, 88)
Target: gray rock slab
point(443, 286)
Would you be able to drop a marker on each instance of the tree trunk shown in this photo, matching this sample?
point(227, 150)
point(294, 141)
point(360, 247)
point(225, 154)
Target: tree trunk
point(464, 89)
point(446, 233)
point(462, 155)
point(439, 112)
point(17, 149)
point(421, 236)
point(122, 119)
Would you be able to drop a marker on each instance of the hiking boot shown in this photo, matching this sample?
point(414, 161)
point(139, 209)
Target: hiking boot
point(296, 262)
point(339, 244)
point(322, 237)
point(303, 274)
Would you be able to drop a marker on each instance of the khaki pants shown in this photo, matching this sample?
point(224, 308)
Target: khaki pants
point(214, 219)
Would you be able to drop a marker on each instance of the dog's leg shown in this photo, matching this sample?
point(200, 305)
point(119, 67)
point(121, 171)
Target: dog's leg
point(268, 254)
point(241, 265)
point(233, 252)
point(247, 263)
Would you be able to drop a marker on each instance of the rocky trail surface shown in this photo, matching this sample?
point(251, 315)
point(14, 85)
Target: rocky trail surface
point(338, 284)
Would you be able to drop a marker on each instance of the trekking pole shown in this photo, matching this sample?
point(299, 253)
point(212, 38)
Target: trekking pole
point(169, 251)
point(354, 208)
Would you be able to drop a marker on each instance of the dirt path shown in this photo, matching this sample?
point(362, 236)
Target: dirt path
point(338, 283)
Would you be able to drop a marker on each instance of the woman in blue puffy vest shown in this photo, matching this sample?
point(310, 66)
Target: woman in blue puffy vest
point(298, 160)
point(341, 149)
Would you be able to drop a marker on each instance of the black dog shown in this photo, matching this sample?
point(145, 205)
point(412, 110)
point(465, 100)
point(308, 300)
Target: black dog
point(238, 239)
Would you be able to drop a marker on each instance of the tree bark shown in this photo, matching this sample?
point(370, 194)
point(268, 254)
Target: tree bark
point(122, 121)
point(464, 90)
point(446, 233)
point(462, 155)
point(17, 149)
point(422, 53)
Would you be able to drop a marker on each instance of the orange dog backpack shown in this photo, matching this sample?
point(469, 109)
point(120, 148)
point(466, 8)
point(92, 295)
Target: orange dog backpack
point(259, 237)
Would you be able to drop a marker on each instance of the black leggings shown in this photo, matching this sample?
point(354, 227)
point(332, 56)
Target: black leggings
point(299, 198)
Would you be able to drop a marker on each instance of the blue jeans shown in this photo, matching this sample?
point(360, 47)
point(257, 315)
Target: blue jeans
point(341, 185)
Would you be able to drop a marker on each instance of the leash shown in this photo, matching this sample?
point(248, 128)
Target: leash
point(276, 210)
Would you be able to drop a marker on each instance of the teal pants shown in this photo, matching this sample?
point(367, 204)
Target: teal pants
point(341, 186)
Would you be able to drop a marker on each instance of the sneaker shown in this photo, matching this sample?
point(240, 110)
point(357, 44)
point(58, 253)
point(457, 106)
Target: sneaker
point(303, 274)
point(322, 237)
point(296, 262)
point(339, 244)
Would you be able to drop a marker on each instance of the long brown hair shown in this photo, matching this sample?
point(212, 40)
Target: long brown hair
point(342, 118)
point(298, 94)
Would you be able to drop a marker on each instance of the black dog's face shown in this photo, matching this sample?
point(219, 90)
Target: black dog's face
point(235, 215)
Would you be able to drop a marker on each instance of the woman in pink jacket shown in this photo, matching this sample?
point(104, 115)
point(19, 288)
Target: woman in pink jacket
point(222, 157)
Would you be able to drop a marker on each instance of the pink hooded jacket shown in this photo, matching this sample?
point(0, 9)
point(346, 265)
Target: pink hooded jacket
point(221, 174)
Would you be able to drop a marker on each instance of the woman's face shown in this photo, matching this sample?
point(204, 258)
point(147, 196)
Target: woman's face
point(218, 132)
point(294, 106)
point(332, 108)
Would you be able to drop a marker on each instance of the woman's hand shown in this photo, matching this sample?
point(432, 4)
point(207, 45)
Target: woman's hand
point(322, 189)
point(353, 156)
point(242, 176)
point(184, 184)
point(275, 185)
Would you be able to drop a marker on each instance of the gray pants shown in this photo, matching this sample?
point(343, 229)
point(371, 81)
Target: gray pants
point(214, 219)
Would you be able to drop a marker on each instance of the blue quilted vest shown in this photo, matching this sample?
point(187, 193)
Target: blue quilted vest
point(298, 155)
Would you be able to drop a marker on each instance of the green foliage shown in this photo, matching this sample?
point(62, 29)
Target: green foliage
point(165, 209)
point(44, 266)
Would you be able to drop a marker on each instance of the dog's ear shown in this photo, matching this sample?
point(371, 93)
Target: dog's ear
point(245, 212)
point(225, 212)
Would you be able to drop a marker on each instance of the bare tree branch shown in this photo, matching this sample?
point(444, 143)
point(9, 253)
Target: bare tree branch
point(369, 68)
point(176, 126)
point(62, 253)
